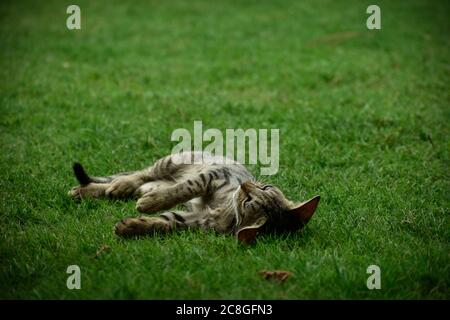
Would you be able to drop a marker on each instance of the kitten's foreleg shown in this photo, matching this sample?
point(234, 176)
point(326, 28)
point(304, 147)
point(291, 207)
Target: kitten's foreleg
point(143, 225)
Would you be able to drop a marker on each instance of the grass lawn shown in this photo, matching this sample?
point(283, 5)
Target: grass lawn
point(364, 122)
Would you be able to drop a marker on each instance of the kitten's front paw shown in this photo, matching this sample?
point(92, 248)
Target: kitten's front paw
point(122, 187)
point(131, 227)
point(151, 202)
point(140, 226)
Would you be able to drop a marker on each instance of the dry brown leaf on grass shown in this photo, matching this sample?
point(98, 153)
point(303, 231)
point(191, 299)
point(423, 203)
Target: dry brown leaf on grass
point(102, 249)
point(279, 275)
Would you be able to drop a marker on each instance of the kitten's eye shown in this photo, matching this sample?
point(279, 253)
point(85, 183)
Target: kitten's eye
point(267, 187)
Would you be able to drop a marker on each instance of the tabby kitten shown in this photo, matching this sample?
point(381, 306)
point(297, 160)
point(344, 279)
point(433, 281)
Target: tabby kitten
point(218, 193)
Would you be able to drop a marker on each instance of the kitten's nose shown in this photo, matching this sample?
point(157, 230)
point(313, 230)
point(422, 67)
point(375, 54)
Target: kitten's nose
point(247, 186)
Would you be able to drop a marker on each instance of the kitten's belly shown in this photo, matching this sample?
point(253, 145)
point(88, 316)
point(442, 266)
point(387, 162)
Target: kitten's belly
point(196, 204)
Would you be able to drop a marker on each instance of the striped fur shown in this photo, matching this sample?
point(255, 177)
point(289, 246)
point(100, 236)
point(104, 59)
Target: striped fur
point(217, 193)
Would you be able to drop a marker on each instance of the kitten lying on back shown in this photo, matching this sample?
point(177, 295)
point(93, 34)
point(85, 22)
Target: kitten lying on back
point(218, 195)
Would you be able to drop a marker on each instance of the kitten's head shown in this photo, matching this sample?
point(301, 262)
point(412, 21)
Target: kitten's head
point(262, 207)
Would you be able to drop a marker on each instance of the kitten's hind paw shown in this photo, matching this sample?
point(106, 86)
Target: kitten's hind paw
point(92, 190)
point(75, 193)
point(122, 187)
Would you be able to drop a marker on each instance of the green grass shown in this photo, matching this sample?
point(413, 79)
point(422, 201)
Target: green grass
point(363, 118)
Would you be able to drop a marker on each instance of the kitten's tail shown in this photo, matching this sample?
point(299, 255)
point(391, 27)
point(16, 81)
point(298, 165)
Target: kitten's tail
point(83, 178)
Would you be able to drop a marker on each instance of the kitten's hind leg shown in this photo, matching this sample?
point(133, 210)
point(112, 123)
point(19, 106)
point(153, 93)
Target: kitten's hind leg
point(126, 186)
point(121, 185)
point(169, 197)
point(91, 190)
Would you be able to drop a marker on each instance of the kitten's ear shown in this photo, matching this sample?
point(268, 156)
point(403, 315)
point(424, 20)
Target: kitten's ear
point(305, 210)
point(248, 234)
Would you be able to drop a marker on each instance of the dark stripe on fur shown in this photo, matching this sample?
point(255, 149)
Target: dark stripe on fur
point(164, 217)
point(222, 185)
point(178, 217)
point(226, 174)
point(203, 178)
